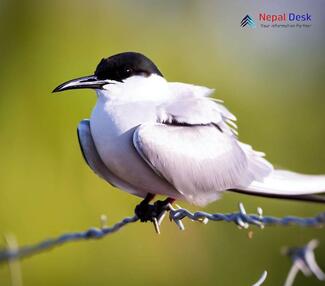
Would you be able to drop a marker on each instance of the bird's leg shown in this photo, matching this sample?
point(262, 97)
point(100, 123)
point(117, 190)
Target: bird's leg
point(147, 212)
point(163, 205)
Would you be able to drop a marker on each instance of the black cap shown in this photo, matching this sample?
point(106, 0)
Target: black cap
point(124, 65)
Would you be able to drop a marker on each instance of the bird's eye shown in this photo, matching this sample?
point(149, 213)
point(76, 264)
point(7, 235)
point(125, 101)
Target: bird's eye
point(128, 71)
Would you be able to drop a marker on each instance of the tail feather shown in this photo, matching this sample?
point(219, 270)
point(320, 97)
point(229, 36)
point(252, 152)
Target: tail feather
point(288, 185)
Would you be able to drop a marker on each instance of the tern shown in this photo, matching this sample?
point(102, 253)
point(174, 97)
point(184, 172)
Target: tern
point(148, 137)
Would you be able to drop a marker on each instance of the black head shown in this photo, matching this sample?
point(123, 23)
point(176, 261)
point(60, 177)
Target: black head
point(116, 68)
point(124, 65)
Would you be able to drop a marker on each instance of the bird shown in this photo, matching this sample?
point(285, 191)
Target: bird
point(148, 136)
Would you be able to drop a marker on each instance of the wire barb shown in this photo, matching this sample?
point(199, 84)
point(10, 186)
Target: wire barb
point(303, 259)
point(261, 279)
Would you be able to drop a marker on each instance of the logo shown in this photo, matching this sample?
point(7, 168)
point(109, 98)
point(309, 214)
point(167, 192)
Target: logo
point(284, 17)
point(280, 20)
point(248, 21)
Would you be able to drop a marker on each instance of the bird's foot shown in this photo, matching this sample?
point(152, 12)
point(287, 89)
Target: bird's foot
point(152, 212)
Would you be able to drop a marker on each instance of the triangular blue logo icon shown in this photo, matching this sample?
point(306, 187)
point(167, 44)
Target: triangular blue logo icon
point(248, 21)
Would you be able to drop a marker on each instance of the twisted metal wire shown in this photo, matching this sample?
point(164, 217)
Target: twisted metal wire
point(244, 220)
point(91, 233)
point(240, 218)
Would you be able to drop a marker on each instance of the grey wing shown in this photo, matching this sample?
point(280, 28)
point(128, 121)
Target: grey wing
point(199, 160)
point(93, 159)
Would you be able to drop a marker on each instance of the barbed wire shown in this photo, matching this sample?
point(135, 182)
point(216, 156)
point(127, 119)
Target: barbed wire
point(91, 233)
point(240, 218)
point(244, 220)
point(303, 259)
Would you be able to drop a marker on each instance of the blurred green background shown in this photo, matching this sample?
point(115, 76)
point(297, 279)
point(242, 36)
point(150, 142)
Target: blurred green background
point(273, 80)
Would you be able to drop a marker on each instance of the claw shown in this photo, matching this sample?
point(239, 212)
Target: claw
point(156, 225)
point(161, 217)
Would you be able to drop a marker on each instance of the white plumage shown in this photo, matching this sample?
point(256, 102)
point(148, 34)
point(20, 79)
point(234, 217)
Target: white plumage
point(152, 136)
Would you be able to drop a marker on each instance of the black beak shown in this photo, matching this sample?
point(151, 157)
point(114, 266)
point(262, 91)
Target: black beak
point(82, 82)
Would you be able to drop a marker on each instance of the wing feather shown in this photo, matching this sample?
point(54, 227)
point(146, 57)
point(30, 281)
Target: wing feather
point(192, 106)
point(194, 147)
point(199, 161)
point(198, 168)
point(94, 161)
